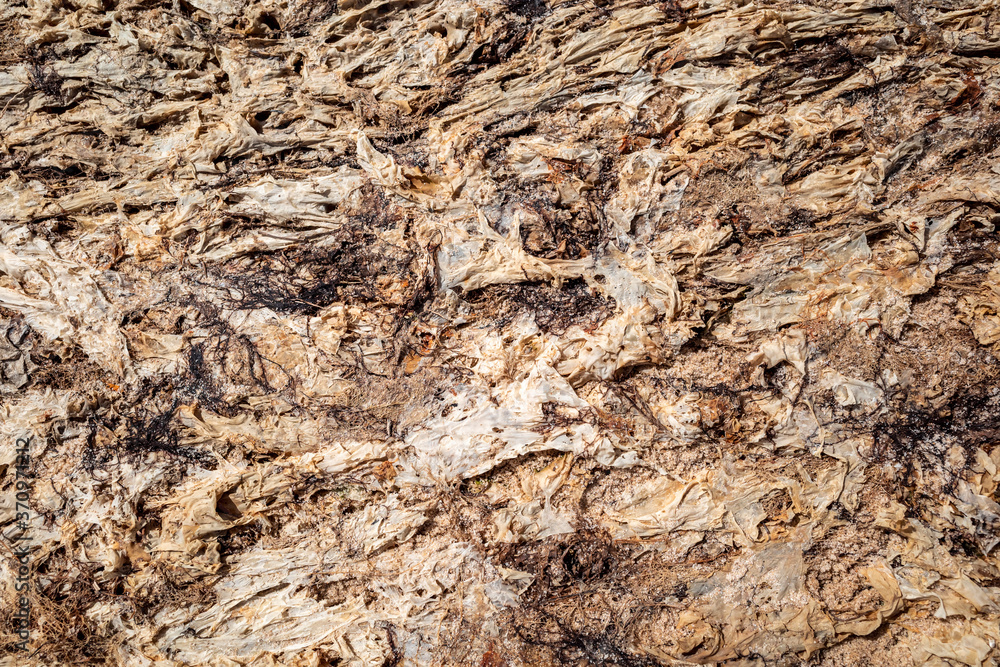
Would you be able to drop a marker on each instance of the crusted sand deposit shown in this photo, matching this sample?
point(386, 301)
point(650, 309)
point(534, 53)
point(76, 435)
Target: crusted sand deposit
point(447, 332)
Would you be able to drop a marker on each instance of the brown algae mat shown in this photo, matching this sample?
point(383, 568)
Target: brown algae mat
point(525, 333)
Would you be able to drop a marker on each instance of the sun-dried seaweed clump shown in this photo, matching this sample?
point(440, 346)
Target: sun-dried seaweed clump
point(554, 309)
point(500, 333)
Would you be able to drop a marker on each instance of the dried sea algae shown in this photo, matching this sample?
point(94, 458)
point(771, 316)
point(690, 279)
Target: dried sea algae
point(500, 332)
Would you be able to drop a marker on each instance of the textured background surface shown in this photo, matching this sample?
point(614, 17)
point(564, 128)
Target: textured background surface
point(471, 333)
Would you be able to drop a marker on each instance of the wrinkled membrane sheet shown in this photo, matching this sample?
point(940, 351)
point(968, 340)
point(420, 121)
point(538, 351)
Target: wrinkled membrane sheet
point(442, 332)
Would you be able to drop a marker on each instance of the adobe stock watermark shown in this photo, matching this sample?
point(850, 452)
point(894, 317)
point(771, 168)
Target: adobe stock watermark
point(21, 543)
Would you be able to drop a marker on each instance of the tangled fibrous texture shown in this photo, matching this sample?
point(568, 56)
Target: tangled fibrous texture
point(473, 332)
